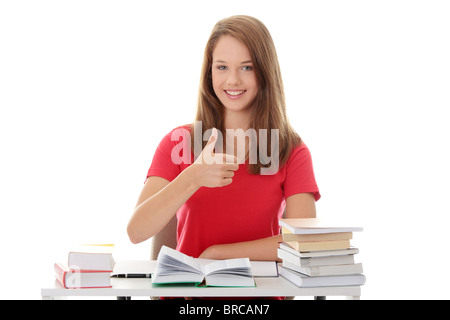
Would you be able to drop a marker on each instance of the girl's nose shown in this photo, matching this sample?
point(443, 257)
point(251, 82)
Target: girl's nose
point(233, 78)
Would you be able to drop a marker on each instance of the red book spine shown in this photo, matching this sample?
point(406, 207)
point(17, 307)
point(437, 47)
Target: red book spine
point(63, 272)
point(60, 272)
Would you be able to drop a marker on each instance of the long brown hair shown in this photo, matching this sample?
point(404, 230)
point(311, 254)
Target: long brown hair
point(269, 107)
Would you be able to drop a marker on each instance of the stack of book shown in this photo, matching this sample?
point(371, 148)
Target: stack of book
point(316, 254)
point(88, 266)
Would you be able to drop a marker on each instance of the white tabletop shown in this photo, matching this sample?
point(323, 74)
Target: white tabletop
point(265, 287)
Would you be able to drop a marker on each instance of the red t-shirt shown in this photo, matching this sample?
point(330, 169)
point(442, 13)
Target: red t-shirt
point(247, 209)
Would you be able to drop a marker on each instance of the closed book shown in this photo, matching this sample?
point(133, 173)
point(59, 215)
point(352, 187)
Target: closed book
point(285, 246)
point(315, 261)
point(92, 257)
point(319, 245)
point(325, 253)
point(326, 270)
point(81, 279)
point(305, 281)
point(289, 236)
point(314, 226)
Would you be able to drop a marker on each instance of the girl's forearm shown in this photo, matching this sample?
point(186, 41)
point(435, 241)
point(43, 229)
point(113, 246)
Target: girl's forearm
point(264, 249)
point(154, 213)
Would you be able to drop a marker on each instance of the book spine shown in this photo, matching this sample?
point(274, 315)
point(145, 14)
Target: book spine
point(60, 273)
point(317, 237)
point(319, 245)
point(71, 278)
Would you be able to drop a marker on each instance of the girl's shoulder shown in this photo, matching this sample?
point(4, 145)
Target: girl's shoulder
point(183, 127)
point(301, 150)
point(176, 133)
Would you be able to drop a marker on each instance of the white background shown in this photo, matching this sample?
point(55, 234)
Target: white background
point(89, 88)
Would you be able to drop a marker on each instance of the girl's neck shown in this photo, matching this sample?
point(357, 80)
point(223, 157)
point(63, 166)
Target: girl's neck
point(237, 119)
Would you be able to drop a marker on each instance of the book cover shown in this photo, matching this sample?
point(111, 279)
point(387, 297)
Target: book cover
point(309, 254)
point(289, 236)
point(92, 257)
point(332, 270)
point(315, 261)
point(81, 279)
point(319, 245)
point(315, 225)
point(305, 281)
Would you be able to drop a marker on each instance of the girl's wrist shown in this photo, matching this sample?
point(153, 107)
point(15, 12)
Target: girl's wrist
point(189, 175)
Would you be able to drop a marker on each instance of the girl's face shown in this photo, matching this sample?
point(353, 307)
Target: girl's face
point(234, 80)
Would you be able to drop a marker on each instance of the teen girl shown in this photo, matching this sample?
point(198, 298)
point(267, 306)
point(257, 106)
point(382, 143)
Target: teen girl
point(228, 209)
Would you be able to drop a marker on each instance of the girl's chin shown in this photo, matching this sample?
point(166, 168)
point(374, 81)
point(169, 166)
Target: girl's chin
point(235, 107)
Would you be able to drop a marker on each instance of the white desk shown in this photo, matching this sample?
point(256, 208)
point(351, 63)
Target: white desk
point(265, 287)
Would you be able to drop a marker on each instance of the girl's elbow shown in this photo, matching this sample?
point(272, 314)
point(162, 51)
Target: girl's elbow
point(134, 235)
point(134, 240)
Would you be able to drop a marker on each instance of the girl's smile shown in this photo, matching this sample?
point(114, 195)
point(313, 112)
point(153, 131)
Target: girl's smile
point(235, 94)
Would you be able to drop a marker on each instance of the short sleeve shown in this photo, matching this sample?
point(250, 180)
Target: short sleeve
point(163, 165)
point(300, 173)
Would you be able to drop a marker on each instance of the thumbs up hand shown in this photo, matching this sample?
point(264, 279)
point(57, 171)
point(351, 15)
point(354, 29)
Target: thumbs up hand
point(213, 169)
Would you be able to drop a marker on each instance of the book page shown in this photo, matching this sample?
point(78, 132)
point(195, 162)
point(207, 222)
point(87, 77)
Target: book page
point(258, 268)
point(234, 266)
point(171, 261)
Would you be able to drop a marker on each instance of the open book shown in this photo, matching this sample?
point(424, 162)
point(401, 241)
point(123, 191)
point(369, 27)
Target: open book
point(175, 267)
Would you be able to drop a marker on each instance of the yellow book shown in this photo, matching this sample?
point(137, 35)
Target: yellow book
point(319, 245)
point(289, 236)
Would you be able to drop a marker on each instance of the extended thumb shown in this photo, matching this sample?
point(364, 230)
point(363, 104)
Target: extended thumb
point(213, 138)
point(208, 151)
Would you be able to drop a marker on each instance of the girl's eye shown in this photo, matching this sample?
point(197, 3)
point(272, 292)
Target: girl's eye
point(247, 68)
point(222, 68)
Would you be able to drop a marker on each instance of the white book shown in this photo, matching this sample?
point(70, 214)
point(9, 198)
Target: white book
point(305, 281)
point(314, 226)
point(315, 261)
point(77, 279)
point(324, 253)
point(92, 257)
point(326, 270)
point(175, 267)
